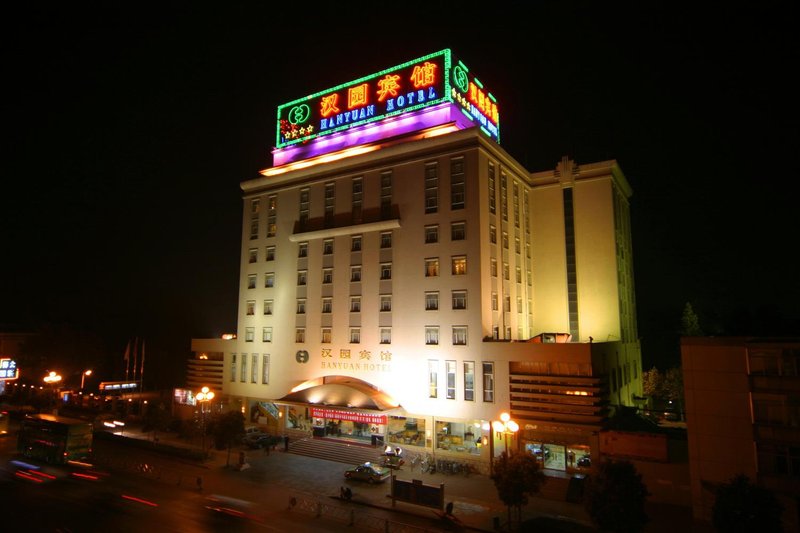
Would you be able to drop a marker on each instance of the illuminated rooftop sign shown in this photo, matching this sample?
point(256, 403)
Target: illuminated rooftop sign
point(421, 83)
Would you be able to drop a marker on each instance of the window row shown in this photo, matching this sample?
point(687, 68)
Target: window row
point(467, 379)
point(354, 335)
point(252, 372)
point(458, 232)
point(458, 301)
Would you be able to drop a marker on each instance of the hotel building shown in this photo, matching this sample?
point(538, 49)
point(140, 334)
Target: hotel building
point(405, 280)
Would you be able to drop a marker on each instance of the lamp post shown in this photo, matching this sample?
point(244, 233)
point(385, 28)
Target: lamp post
point(83, 377)
point(204, 396)
point(506, 426)
point(52, 379)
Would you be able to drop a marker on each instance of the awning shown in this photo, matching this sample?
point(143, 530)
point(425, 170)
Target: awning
point(341, 391)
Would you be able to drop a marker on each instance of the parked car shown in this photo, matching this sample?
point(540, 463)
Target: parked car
point(368, 472)
point(262, 441)
point(250, 439)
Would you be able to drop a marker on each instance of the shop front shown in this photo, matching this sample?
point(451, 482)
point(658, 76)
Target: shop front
point(347, 425)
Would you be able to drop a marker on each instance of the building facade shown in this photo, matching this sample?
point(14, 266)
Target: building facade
point(743, 417)
point(414, 281)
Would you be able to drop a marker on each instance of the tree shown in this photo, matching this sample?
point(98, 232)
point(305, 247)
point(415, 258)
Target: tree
point(672, 388)
point(615, 496)
point(157, 419)
point(690, 324)
point(652, 383)
point(742, 506)
point(515, 476)
point(227, 428)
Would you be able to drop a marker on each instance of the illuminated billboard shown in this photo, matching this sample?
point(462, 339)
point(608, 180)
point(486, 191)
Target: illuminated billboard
point(403, 89)
point(8, 369)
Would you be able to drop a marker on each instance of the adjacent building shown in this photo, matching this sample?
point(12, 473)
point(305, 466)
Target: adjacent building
point(405, 280)
point(743, 417)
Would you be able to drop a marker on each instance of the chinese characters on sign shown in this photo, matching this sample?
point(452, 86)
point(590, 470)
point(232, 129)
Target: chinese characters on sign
point(363, 360)
point(8, 369)
point(417, 84)
point(350, 416)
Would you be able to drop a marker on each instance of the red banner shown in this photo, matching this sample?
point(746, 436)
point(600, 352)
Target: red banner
point(350, 416)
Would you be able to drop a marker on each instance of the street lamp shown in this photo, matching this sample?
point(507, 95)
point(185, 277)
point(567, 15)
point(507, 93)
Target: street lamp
point(83, 377)
point(506, 426)
point(52, 379)
point(204, 396)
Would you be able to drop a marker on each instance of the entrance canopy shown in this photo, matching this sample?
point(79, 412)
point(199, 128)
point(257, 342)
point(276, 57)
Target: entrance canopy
point(341, 391)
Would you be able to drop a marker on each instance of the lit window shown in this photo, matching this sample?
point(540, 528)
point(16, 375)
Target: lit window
point(494, 301)
point(269, 279)
point(469, 381)
point(459, 265)
point(355, 335)
point(302, 249)
point(301, 306)
point(505, 240)
point(249, 335)
point(355, 243)
point(386, 336)
point(327, 305)
point(254, 368)
point(300, 335)
point(266, 335)
point(432, 267)
point(243, 369)
point(386, 239)
point(270, 253)
point(450, 371)
point(268, 307)
point(251, 281)
point(252, 255)
point(488, 382)
point(251, 307)
point(433, 378)
point(326, 335)
point(492, 234)
point(355, 273)
point(301, 277)
point(233, 367)
point(327, 275)
point(493, 267)
point(386, 302)
point(355, 304)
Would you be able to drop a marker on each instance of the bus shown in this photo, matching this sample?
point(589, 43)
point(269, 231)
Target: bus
point(55, 439)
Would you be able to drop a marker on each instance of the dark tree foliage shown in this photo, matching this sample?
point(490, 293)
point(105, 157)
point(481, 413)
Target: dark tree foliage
point(227, 428)
point(516, 476)
point(742, 506)
point(157, 419)
point(615, 496)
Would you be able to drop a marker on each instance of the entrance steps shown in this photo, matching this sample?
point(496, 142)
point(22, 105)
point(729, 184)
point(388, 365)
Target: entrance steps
point(331, 450)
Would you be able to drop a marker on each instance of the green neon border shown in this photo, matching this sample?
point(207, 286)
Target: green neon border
point(445, 98)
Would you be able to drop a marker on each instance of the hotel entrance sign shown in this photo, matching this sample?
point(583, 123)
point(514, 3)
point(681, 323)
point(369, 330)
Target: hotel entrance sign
point(404, 89)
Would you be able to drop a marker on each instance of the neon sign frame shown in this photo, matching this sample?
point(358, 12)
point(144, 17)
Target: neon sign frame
point(434, 79)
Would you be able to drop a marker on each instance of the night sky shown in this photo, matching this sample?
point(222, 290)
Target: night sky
point(128, 131)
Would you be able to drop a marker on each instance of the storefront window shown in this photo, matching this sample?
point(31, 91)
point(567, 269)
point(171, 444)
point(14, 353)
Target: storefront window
point(408, 431)
point(459, 437)
point(297, 418)
point(559, 457)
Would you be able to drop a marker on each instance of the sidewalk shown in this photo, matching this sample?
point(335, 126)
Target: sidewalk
point(279, 476)
point(474, 498)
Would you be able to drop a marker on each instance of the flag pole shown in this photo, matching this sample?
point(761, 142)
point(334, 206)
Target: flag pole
point(135, 356)
point(141, 370)
point(127, 359)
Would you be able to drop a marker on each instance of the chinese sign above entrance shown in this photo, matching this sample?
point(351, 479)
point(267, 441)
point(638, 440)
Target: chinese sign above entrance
point(415, 85)
point(350, 416)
